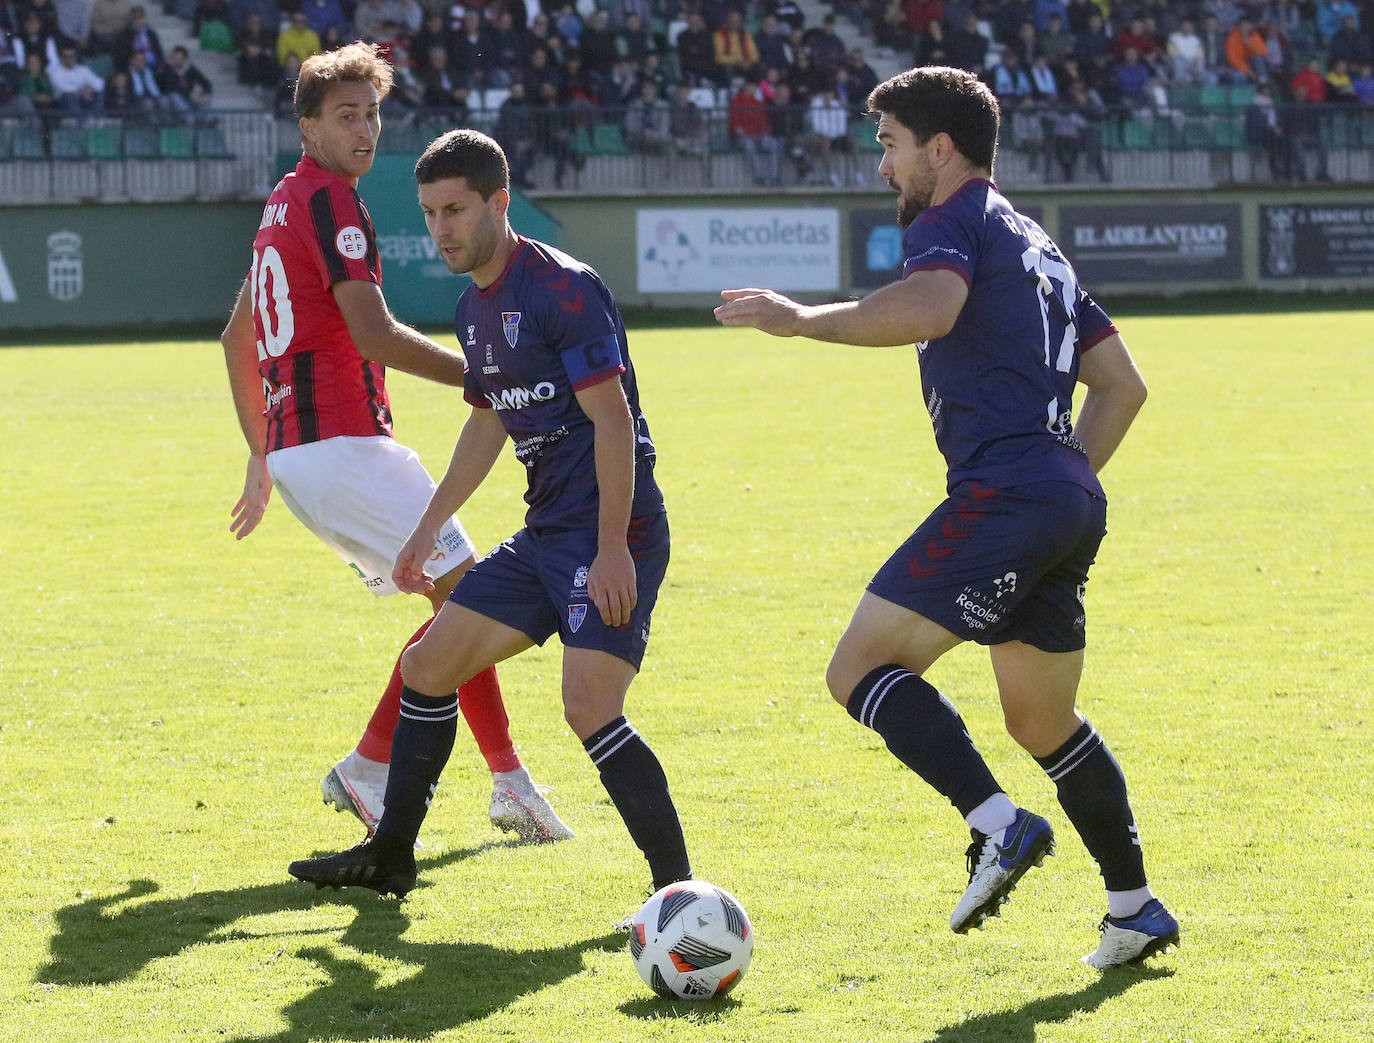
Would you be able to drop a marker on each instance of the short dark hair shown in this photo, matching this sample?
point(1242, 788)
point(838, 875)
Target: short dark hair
point(468, 154)
point(936, 99)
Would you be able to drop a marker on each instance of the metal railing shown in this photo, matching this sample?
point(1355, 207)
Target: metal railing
point(605, 150)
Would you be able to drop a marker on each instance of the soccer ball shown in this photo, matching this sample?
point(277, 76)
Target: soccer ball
point(691, 941)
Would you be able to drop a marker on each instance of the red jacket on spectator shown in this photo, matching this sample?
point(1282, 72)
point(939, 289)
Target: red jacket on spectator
point(1312, 81)
point(1134, 35)
point(748, 114)
point(920, 12)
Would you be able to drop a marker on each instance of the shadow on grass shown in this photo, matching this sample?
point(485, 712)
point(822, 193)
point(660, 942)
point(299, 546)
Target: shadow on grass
point(698, 1012)
point(108, 940)
point(1022, 1025)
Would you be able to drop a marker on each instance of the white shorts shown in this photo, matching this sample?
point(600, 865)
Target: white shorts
point(362, 497)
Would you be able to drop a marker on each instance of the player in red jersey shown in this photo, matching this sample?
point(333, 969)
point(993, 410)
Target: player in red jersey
point(307, 346)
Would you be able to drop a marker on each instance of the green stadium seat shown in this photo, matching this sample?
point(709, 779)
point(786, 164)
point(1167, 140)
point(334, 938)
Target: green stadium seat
point(1213, 96)
point(211, 144)
point(1197, 133)
point(862, 133)
point(68, 143)
point(28, 144)
point(102, 142)
point(1137, 134)
point(101, 64)
point(1337, 130)
point(1239, 95)
point(581, 140)
point(175, 143)
point(1185, 97)
point(607, 140)
point(1228, 132)
point(1366, 124)
point(140, 142)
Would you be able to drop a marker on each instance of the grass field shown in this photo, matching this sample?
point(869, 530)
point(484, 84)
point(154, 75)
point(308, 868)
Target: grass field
point(170, 698)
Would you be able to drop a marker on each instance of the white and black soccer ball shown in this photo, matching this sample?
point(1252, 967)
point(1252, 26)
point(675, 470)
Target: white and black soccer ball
point(691, 941)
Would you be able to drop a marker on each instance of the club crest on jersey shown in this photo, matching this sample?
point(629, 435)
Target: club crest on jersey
point(576, 614)
point(510, 326)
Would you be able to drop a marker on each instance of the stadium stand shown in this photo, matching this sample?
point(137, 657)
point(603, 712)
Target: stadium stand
point(1156, 94)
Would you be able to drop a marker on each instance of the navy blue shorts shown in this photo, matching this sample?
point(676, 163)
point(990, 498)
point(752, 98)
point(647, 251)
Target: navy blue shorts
point(536, 582)
point(995, 565)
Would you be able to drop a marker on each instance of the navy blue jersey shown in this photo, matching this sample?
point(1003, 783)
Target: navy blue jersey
point(999, 385)
point(546, 328)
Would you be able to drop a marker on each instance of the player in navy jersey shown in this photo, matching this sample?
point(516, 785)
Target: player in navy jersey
point(307, 348)
point(549, 370)
point(1003, 333)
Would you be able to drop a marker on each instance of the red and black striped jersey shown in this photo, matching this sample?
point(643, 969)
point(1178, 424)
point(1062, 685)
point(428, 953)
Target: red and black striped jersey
point(315, 232)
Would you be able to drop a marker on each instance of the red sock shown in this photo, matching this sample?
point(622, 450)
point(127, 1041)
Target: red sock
point(480, 700)
point(375, 744)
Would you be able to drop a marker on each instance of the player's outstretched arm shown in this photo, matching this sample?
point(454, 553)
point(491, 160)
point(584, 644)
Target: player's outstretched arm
point(922, 306)
point(380, 337)
point(1116, 391)
point(611, 578)
point(245, 384)
point(479, 444)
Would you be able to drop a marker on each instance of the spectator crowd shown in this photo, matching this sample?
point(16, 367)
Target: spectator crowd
point(659, 69)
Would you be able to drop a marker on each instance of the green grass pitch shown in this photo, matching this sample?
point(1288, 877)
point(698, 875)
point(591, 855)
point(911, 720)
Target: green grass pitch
point(169, 700)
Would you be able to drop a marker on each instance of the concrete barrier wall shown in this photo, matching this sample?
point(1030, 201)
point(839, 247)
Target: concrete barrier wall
point(139, 265)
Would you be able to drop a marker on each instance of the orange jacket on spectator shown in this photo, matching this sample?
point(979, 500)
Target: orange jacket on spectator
point(1240, 49)
point(735, 48)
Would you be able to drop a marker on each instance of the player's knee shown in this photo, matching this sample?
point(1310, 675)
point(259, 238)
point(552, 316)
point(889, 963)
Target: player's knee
point(421, 670)
point(1036, 732)
point(840, 678)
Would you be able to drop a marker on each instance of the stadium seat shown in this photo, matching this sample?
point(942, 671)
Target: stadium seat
point(493, 98)
point(1337, 131)
point(1228, 132)
point(607, 140)
point(101, 64)
point(140, 142)
point(862, 132)
point(1212, 96)
point(28, 144)
point(211, 144)
point(1184, 96)
point(1239, 95)
point(68, 143)
point(1137, 134)
point(1197, 133)
point(581, 140)
point(102, 141)
point(175, 143)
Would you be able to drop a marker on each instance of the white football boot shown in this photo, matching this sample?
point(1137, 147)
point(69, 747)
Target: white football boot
point(357, 785)
point(519, 806)
point(1128, 940)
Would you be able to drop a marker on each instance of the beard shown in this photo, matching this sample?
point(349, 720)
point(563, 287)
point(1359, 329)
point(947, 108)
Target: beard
point(913, 197)
point(909, 208)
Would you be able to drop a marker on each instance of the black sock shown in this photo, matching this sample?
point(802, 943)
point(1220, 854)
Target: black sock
point(1092, 792)
point(638, 788)
point(424, 738)
point(925, 732)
